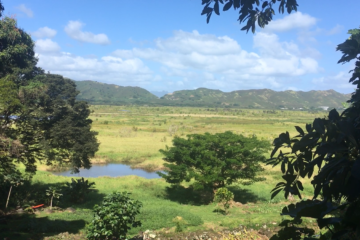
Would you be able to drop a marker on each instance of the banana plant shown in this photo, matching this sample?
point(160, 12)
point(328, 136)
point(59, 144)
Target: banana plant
point(53, 193)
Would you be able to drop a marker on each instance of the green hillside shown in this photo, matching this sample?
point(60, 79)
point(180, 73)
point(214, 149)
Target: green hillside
point(102, 93)
point(260, 98)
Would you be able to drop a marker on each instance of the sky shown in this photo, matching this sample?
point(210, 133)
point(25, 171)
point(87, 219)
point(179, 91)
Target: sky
point(166, 45)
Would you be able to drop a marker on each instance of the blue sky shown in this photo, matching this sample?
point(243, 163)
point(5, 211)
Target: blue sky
point(166, 45)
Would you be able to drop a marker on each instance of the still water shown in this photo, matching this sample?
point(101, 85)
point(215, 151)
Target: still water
point(111, 170)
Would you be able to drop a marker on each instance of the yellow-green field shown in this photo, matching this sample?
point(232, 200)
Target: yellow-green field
point(134, 137)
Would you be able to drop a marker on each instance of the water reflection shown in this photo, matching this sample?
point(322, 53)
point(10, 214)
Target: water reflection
point(111, 170)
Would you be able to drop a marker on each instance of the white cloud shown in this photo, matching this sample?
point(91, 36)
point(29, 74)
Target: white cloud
point(44, 32)
point(73, 30)
point(106, 69)
point(46, 46)
point(296, 20)
point(28, 12)
point(339, 81)
point(207, 59)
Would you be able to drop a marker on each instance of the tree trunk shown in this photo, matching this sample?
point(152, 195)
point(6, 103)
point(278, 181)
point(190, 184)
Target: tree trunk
point(51, 202)
point(7, 201)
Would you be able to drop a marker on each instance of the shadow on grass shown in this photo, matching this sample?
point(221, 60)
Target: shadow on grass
point(28, 226)
point(190, 196)
point(244, 195)
point(35, 226)
point(182, 195)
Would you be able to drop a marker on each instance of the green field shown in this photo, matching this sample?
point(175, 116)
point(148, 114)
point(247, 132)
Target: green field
point(133, 135)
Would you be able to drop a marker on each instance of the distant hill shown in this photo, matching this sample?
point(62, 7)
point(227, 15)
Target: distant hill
point(259, 98)
point(102, 93)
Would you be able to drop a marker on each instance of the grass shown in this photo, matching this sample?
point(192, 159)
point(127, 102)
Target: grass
point(134, 138)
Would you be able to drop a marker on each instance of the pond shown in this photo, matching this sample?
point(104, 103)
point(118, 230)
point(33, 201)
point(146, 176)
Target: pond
point(111, 170)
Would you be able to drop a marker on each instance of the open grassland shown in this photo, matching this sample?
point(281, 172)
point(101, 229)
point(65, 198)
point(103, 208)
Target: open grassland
point(134, 137)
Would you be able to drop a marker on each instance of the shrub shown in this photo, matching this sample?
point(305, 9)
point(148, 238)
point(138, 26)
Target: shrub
point(113, 217)
point(77, 189)
point(223, 196)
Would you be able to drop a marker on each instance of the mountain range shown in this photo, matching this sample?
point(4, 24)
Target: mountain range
point(102, 93)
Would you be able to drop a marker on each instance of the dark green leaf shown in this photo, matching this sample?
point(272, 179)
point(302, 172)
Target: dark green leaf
point(275, 193)
point(299, 129)
point(228, 5)
point(319, 125)
point(265, 4)
point(216, 8)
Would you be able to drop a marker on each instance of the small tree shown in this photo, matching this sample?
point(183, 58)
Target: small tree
point(113, 217)
point(14, 180)
point(213, 160)
point(224, 196)
point(77, 189)
point(53, 193)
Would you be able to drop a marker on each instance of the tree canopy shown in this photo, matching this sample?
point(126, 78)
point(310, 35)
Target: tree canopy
point(40, 118)
point(332, 145)
point(249, 10)
point(213, 160)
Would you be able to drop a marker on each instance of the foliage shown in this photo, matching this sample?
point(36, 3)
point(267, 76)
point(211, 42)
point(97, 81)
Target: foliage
point(53, 192)
point(14, 179)
point(39, 116)
point(332, 145)
point(224, 196)
point(180, 223)
point(77, 189)
point(249, 10)
point(113, 217)
point(213, 160)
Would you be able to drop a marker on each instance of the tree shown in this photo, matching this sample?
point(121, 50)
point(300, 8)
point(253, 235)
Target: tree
point(53, 193)
point(213, 160)
point(14, 180)
point(333, 145)
point(249, 10)
point(114, 217)
point(40, 118)
point(1, 9)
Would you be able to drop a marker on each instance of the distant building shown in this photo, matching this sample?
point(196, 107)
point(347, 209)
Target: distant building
point(324, 107)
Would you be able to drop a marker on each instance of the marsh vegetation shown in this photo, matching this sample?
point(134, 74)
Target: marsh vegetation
point(134, 137)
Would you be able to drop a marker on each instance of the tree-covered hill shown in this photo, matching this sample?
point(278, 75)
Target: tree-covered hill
point(259, 98)
point(102, 93)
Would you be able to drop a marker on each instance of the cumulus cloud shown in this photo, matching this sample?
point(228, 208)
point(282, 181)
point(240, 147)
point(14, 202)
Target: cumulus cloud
point(339, 81)
point(28, 12)
point(46, 46)
point(44, 32)
point(109, 69)
point(74, 30)
point(190, 54)
point(296, 20)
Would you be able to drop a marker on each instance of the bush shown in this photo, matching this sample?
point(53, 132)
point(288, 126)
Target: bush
point(113, 217)
point(224, 196)
point(77, 189)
